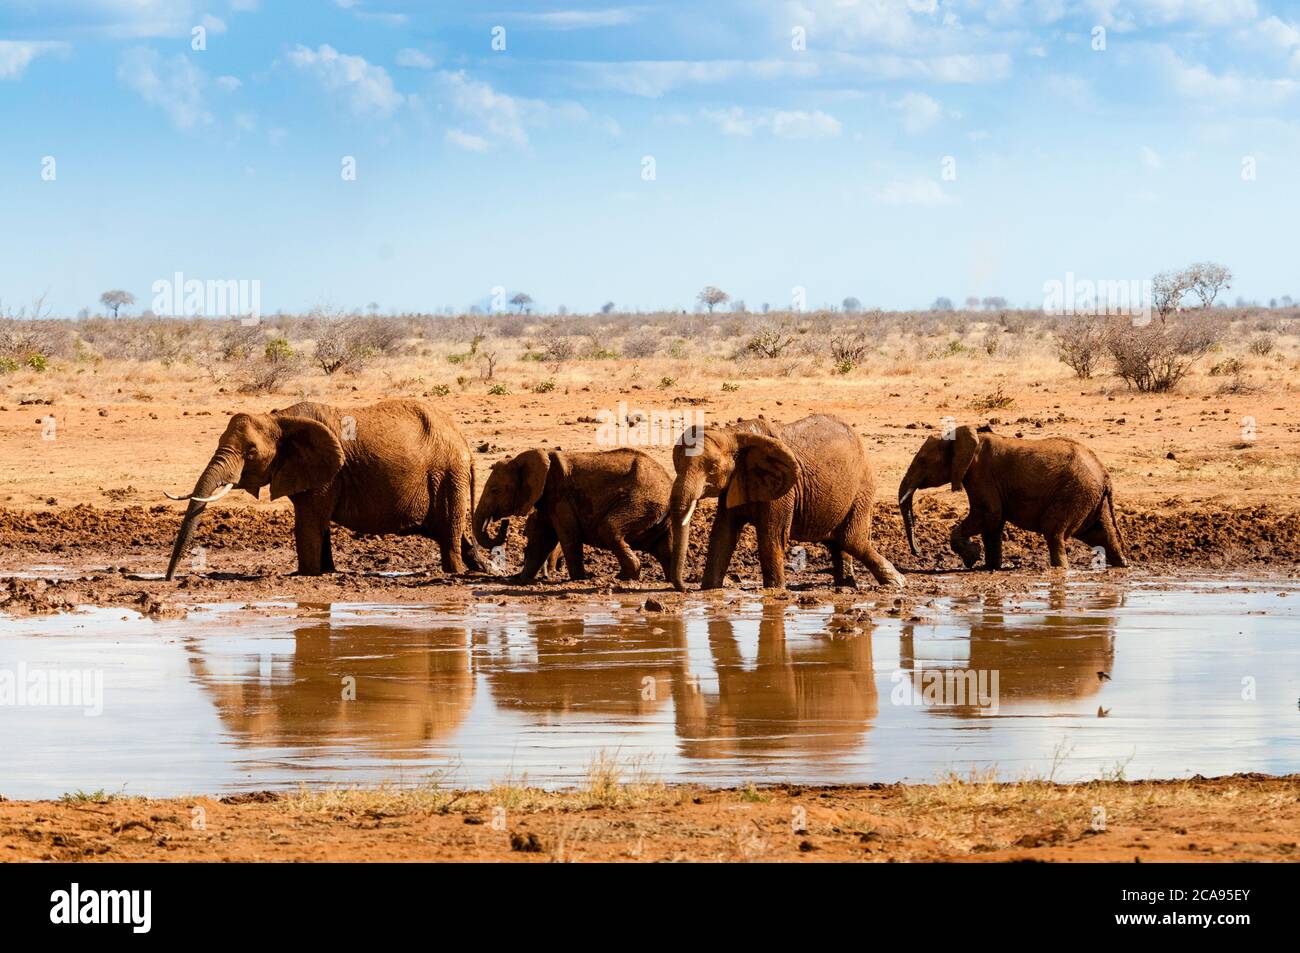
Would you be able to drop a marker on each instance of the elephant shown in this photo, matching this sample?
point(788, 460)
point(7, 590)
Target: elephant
point(1056, 487)
point(399, 466)
point(615, 500)
point(808, 481)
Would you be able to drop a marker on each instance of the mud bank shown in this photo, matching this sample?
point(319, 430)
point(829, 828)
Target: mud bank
point(1238, 818)
point(1172, 535)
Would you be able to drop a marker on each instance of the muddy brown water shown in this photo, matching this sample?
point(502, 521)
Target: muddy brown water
point(1071, 680)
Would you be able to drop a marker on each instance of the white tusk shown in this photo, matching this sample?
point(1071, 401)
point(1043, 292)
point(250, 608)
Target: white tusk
point(905, 497)
point(689, 513)
point(172, 496)
point(215, 496)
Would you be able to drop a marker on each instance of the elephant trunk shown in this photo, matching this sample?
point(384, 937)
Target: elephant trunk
point(216, 474)
point(687, 491)
point(906, 492)
point(482, 519)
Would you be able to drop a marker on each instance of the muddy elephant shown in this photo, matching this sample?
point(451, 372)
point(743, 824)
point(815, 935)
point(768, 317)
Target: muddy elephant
point(399, 466)
point(808, 481)
point(1056, 487)
point(616, 500)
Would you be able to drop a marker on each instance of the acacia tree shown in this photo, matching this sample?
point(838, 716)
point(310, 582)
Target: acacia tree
point(1167, 291)
point(116, 300)
point(851, 305)
point(711, 297)
point(521, 301)
point(1206, 279)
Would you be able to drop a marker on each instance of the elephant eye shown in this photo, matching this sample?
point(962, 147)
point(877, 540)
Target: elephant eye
point(250, 452)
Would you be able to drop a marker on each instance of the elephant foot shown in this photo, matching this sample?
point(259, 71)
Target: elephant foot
point(969, 554)
point(520, 579)
point(848, 582)
point(896, 580)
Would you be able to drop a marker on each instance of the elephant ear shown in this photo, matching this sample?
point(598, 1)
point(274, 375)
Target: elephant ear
point(765, 470)
point(532, 467)
point(965, 444)
point(307, 456)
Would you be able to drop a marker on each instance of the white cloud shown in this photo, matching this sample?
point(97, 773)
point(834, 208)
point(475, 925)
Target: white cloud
point(893, 23)
point(212, 24)
point(413, 59)
point(174, 85)
point(1198, 82)
point(924, 192)
point(367, 88)
point(920, 112)
point(1128, 14)
point(467, 141)
point(497, 117)
point(16, 56)
point(952, 68)
point(580, 19)
point(805, 125)
point(654, 78)
point(1151, 159)
point(229, 83)
point(782, 124)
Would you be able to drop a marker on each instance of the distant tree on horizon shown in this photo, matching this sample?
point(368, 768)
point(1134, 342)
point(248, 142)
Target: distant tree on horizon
point(941, 304)
point(607, 307)
point(711, 297)
point(851, 305)
point(521, 302)
point(116, 299)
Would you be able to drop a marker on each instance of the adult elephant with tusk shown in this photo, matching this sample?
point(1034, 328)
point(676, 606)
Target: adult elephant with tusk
point(807, 481)
point(400, 466)
point(1056, 487)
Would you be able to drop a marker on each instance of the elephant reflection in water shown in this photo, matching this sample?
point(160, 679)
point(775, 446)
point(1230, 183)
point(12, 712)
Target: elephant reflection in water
point(629, 669)
point(1053, 657)
point(816, 696)
point(410, 687)
point(819, 696)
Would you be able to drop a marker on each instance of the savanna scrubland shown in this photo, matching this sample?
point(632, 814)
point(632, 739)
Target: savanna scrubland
point(1192, 414)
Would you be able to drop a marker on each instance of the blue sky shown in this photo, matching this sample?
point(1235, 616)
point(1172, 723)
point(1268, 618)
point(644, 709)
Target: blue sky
point(775, 167)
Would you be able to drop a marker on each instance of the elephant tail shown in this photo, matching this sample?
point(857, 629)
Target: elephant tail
point(1110, 508)
point(474, 557)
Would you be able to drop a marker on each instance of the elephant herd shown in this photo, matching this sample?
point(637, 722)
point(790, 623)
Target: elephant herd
point(403, 467)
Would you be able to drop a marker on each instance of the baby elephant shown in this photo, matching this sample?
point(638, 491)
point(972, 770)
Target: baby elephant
point(1055, 487)
point(616, 500)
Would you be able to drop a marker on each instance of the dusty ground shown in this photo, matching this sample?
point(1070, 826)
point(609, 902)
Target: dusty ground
point(1238, 818)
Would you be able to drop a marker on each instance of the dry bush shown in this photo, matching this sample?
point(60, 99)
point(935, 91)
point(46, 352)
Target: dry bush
point(1081, 344)
point(642, 344)
point(1154, 357)
point(21, 340)
point(348, 344)
point(771, 340)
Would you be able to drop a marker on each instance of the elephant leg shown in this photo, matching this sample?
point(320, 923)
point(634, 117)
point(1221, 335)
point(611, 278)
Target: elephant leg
point(960, 542)
point(553, 560)
point(993, 547)
point(722, 544)
point(1056, 550)
point(455, 525)
point(841, 566)
point(629, 564)
point(663, 554)
point(308, 532)
point(571, 543)
point(538, 549)
point(773, 538)
point(857, 543)
point(326, 552)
